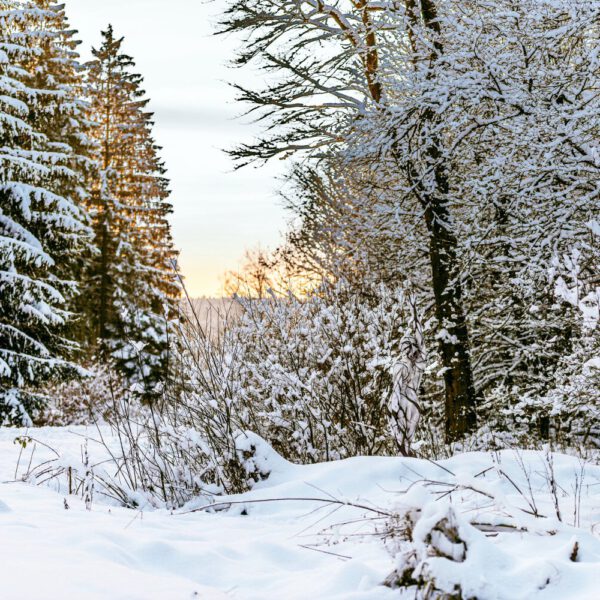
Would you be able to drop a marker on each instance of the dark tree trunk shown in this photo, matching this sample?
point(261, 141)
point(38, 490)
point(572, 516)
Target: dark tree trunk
point(454, 347)
point(460, 397)
point(461, 400)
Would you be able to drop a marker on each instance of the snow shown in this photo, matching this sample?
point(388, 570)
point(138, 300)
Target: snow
point(260, 549)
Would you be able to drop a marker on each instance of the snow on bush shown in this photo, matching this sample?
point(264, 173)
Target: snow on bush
point(325, 377)
point(316, 374)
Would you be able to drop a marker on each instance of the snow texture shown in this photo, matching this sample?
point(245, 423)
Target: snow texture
point(302, 549)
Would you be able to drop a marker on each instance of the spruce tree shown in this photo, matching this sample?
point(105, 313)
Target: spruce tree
point(64, 117)
point(42, 223)
point(132, 284)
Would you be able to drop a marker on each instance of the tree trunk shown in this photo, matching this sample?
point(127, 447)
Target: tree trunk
point(453, 337)
point(460, 397)
point(454, 346)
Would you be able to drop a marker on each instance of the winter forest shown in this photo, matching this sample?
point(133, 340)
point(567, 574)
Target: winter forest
point(401, 400)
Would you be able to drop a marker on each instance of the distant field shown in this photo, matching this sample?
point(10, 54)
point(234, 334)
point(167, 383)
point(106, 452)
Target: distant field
point(211, 313)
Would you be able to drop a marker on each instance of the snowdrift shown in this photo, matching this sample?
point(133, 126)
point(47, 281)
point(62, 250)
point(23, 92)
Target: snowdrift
point(502, 526)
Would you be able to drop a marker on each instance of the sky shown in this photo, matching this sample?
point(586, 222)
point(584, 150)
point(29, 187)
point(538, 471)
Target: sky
point(219, 212)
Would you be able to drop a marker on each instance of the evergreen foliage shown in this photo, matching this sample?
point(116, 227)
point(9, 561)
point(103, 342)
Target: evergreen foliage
point(43, 227)
point(131, 288)
point(85, 245)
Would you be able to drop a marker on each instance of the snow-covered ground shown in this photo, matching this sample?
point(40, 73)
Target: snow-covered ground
point(307, 549)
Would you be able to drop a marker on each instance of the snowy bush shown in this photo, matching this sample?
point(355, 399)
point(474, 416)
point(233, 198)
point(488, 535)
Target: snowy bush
point(188, 441)
point(566, 410)
point(573, 404)
point(456, 533)
point(312, 376)
point(315, 373)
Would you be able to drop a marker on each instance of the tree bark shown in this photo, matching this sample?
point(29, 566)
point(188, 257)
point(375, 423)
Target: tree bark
point(460, 397)
point(454, 346)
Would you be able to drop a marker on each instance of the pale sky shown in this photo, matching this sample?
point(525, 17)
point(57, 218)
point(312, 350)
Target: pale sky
point(218, 213)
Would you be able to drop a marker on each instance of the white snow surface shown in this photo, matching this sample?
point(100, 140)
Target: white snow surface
point(302, 549)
